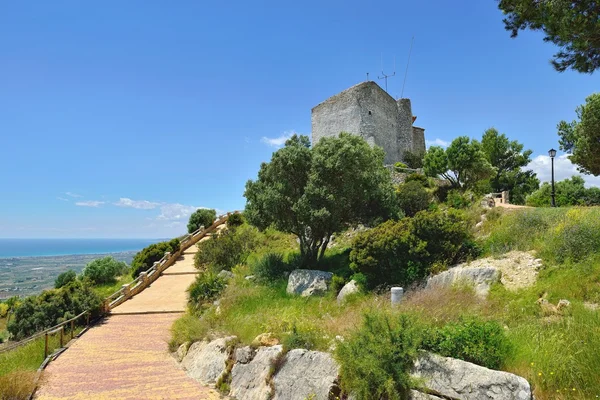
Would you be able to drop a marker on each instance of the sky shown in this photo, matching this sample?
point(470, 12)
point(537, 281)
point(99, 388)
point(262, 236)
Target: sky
point(119, 118)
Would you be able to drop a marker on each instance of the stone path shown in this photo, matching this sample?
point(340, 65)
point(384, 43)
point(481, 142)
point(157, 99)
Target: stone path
point(126, 356)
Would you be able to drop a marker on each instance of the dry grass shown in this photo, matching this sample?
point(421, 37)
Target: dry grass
point(17, 385)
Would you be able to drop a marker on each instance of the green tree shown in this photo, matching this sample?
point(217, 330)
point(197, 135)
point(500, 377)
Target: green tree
point(145, 259)
point(569, 192)
point(12, 303)
point(104, 270)
point(509, 159)
point(573, 25)
point(316, 192)
point(463, 163)
point(65, 278)
point(582, 138)
point(412, 198)
point(201, 217)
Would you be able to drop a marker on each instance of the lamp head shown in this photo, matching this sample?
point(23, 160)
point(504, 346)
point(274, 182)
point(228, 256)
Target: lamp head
point(552, 153)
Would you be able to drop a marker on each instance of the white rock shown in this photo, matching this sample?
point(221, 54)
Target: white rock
point(481, 278)
point(182, 351)
point(206, 361)
point(307, 282)
point(225, 274)
point(349, 288)
point(249, 374)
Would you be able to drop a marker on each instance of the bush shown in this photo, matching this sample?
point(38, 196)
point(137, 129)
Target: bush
point(470, 339)
point(412, 198)
point(269, 268)
point(297, 339)
point(414, 159)
point(227, 249)
point(401, 252)
point(205, 288)
point(65, 278)
point(103, 270)
point(416, 177)
point(18, 385)
point(145, 259)
point(459, 200)
point(3, 310)
point(575, 237)
point(235, 220)
point(376, 360)
point(337, 283)
point(202, 217)
point(400, 166)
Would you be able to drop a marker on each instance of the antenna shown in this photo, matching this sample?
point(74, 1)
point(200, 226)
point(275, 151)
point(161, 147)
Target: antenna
point(407, 63)
point(384, 76)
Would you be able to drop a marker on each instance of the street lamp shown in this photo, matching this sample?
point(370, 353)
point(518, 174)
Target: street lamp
point(552, 154)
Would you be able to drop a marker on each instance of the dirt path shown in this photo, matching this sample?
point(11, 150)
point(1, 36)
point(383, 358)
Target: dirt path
point(126, 356)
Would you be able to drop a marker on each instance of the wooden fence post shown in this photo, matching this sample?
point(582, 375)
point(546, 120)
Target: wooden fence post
point(62, 333)
point(87, 319)
point(72, 328)
point(46, 347)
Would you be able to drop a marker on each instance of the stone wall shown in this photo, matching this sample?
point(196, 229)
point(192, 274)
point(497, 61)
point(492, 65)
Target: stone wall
point(418, 142)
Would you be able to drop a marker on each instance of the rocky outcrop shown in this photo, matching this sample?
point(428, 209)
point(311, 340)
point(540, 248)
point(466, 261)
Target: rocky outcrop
point(456, 379)
point(206, 362)
point(481, 278)
point(307, 282)
point(182, 351)
point(415, 395)
point(349, 288)
point(225, 274)
point(250, 372)
point(305, 374)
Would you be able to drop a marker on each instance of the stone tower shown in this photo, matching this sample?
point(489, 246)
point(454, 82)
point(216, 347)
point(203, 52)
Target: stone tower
point(370, 112)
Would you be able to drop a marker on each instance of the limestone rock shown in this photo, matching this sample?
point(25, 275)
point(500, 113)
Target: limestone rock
point(207, 361)
point(249, 375)
point(304, 374)
point(456, 379)
point(415, 395)
point(265, 339)
point(182, 351)
point(481, 278)
point(306, 282)
point(349, 288)
point(225, 274)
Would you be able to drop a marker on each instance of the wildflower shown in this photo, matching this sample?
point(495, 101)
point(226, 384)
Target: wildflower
point(532, 364)
point(539, 374)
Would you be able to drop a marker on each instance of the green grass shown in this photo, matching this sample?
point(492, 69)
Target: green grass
point(3, 332)
point(107, 289)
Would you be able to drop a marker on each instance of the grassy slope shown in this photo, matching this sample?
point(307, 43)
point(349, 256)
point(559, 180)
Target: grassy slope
point(107, 289)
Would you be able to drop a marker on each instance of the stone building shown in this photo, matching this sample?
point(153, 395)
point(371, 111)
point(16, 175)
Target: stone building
point(370, 112)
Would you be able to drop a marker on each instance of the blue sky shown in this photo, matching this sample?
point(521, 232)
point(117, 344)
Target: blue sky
point(118, 118)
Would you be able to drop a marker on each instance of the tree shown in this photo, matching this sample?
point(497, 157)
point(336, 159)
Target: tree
point(582, 138)
point(573, 25)
point(412, 198)
point(201, 217)
point(463, 163)
point(569, 192)
point(509, 159)
point(316, 192)
point(12, 303)
point(104, 270)
point(64, 278)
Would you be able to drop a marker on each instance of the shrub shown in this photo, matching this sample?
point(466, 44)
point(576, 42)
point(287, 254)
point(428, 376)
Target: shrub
point(226, 249)
point(470, 339)
point(337, 283)
point(400, 166)
point(201, 217)
point(145, 259)
point(414, 159)
point(206, 287)
point(3, 310)
point(375, 361)
point(297, 339)
point(416, 177)
point(104, 270)
point(18, 385)
point(269, 268)
point(576, 236)
point(456, 199)
point(412, 198)
point(65, 278)
point(235, 220)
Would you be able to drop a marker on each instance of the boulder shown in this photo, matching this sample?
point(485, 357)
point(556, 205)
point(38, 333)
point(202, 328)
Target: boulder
point(307, 282)
point(182, 351)
point(415, 395)
point(225, 274)
point(349, 288)
point(456, 379)
point(206, 361)
point(305, 374)
point(265, 339)
point(250, 372)
point(481, 278)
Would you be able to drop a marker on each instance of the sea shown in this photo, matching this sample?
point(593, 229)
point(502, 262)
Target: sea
point(60, 247)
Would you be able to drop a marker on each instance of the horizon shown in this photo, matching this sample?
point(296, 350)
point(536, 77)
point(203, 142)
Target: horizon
point(121, 119)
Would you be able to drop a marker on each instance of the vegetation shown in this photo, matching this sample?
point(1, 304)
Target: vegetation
point(226, 249)
point(17, 385)
point(65, 278)
point(571, 25)
point(582, 138)
point(413, 159)
point(104, 270)
point(145, 259)
point(314, 193)
point(269, 268)
point(568, 192)
point(201, 217)
point(206, 287)
point(413, 197)
point(234, 220)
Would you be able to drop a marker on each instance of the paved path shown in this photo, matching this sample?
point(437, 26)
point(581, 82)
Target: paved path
point(126, 356)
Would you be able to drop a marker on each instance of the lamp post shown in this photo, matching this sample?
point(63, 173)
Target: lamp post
point(552, 154)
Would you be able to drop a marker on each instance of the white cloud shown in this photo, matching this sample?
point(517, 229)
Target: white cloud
point(173, 224)
point(279, 141)
point(89, 203)
point(563, 169)
point(62, 199)
point(170, 212)
point(139, 204)
point(70, 194)
point(437, 142)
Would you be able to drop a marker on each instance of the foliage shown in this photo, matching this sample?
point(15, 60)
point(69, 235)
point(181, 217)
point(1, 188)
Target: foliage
point(470, 339)
point(226, 249)
point(104, 270)
point(416, 177)
point(568, 192)
point(337, 283)
point(65, 278)
point(3, 310)
point(51, 307)
point(12, 302)
point(375, 361)
point(582, 138)
point(269, 268)
point(206, 287)
point(314, 193)
point(458, 200)
point(400, 166)
point(509, 159)
point(145, 259)
point(297, 339)
point(403, 251)
point(412, 198)
point(18, 385)
point(463, 163)
point(571, 25)
point(235, 220)
point(201, 217)
point(413, 159)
